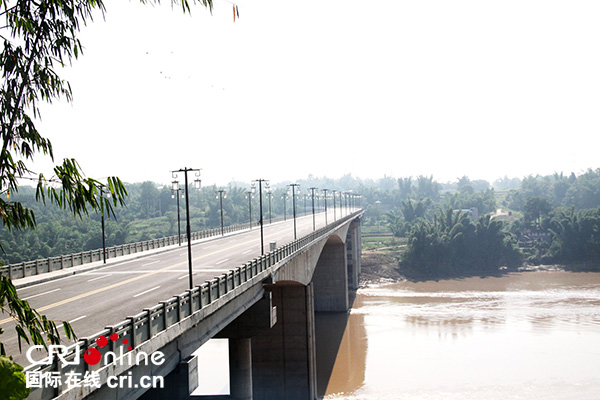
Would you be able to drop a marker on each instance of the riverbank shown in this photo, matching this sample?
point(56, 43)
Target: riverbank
point(380, 267)
point(383, 266)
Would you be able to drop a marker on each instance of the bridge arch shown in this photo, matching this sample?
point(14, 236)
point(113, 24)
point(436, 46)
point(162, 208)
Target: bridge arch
point(330, 277)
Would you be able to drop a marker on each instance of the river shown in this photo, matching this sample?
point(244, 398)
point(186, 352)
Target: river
point(529, 335)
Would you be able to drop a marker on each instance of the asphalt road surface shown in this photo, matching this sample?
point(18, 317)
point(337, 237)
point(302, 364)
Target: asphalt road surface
point(92, 300)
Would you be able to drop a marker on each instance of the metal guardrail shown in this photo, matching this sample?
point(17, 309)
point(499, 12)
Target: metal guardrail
point(43, 265)
point(150, 322)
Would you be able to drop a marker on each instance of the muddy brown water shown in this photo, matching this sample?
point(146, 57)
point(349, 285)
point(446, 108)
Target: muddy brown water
point(530, 335)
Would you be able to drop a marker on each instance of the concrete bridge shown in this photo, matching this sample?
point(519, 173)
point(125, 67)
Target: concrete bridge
point(265, 308)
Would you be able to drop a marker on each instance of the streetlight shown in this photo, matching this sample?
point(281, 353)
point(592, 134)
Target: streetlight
point(334, 192)
point(346, 202)
point(270, 196)
point(305, 197)
point(284, 197)
point(249, 197)
point(325, 198)
point(175, 193)
point(312, 189)
point(293, 187)
point(318, 198)
point(260, 181)
point(222, 194)
point(197, 183)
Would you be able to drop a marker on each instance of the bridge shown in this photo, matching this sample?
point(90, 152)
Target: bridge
point(265, 307)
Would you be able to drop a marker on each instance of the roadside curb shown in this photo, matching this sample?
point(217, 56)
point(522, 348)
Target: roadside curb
point(63, 273)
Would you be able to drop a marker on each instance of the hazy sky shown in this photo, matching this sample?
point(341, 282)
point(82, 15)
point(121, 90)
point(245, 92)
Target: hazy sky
point(384, 87)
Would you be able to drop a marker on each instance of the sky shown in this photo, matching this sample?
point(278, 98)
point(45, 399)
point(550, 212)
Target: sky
point(394, 88)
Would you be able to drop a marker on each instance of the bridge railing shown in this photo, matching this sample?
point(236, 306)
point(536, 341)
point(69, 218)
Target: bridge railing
point(49, 264)
point(145, 325)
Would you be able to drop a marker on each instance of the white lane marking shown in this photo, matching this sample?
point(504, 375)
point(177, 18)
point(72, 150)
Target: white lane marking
point(70, 322)
point(248, 251)
point(183, 276)
point(77, 319)
point(146, 291)
point(222, 261)
point(41, 294)
point(122, 263)
point(98, 277)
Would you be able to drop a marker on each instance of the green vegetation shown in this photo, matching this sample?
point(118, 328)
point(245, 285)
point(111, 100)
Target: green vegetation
point(37, 37)
point(12, 380)
point(383, 243)
point(455, 229)
point(452, 244)
point(541, 226)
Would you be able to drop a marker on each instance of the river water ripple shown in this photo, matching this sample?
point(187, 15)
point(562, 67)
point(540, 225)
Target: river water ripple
point(531, 335)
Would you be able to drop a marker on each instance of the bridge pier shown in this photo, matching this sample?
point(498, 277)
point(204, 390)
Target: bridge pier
point(354, 252)
point(240, 369)
point(330, 278)
point(179, 383)
point(283, 358)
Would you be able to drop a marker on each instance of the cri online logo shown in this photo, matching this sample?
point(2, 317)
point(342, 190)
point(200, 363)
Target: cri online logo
point(92, 356)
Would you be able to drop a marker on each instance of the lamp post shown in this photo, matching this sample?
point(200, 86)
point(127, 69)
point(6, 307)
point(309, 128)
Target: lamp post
point(197, 183)
point(305, 197)
point(249, 196)
point(175, 193)
point(260, 218)
point(270, 196)
point(325, 199)
point(312, 190)
point(284, 197)
point(293, 186)
point(346, 202)
point(222, 194)
point(333, 192)
point(318, 198)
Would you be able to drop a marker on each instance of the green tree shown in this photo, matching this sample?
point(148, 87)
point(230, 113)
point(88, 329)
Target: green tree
point(415, 210)
point(396, 223)
point(576, 235)
point(452, 244)
point(427, 187)
point(465, 185)
point(37, 36)
point(12, 380)
point(535, 209)
point(584, 192)
point(405, 187)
